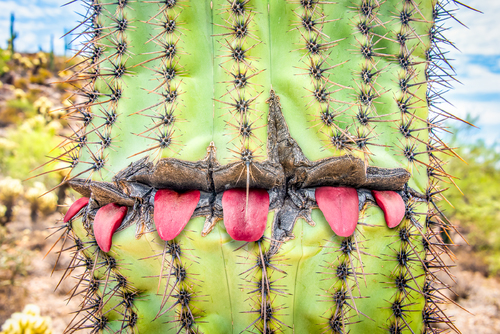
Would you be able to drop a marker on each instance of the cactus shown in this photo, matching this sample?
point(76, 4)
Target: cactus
point(40, 201)
point(13, 35)
point(51, 54)
point(10, 190)
point(258, 166)
point(28, 321)
point(67, 42)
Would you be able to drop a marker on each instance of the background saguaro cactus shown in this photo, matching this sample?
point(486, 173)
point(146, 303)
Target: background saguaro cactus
point(13, 34)
point(209, 134)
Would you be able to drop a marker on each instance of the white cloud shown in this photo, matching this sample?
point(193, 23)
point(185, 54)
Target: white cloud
point(35, 21)
point(479, 93)
point(483, 33)
point(476, 79)
point(488, 112)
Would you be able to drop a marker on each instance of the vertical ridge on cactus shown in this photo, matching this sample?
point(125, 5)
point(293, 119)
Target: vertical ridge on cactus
point(262, 166)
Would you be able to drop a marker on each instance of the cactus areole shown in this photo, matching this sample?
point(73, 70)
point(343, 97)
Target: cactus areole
point(258, 166)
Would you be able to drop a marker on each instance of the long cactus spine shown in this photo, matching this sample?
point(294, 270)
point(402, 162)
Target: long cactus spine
point(258, 166)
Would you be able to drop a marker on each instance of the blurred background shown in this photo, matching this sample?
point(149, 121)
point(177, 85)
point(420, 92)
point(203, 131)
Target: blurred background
point(33, 62)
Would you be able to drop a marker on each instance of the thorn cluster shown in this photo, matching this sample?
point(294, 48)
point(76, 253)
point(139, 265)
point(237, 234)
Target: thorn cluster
point(263, 291)
point(166, 33)
point(439, 75)
point(237, 40)
point(346, 272)
point(316, 53)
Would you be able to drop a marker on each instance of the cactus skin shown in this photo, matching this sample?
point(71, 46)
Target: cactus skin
point(288, 97)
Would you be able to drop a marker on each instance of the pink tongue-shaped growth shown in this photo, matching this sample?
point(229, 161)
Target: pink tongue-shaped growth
point(340, 206)
point(75, 208)
point(245, 219)
point(173, 210)
point(106, 221)
point(392, 205)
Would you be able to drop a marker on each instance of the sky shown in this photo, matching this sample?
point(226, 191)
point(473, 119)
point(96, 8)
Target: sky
point(478, 67)
point(36, 21)
point(477, 63)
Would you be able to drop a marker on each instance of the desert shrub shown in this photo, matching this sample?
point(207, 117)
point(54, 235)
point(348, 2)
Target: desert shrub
point(29, 321)
point(41, 76)
point(25, 148)
point(15, 256)
point(478, 209)
point(10, 190)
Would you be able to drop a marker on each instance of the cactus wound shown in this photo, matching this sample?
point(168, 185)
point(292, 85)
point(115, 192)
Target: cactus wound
point(286, 162)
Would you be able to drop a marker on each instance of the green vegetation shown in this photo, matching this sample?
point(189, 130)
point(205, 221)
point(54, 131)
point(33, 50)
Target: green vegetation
point(477, 210)
point(25, 148)
point(29, 129)
point(28, 132)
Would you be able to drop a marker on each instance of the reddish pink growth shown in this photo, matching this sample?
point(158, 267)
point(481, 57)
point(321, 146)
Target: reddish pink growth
point(75, 208)
point(106, 221)
point(245, 223)
point(173, 211)
point(392, 205)
point(340, 206)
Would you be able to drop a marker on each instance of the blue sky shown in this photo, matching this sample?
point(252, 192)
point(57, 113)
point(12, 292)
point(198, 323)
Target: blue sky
point(477, 63)
point(478, 67)
point(35, 21)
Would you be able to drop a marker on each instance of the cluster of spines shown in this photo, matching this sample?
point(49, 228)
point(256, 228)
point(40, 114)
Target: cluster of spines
point(409, 20)
point(419, 146)
point(367, 91)
point(106, 53)
point(107, 295)
point(262, 281)
point(440, 76)
point(345, 273)
point(236, 42)
point(98, 84)
point(406, 277)
point(179, 290)
point(108, 58)
point(315, 47)
point(166, 31)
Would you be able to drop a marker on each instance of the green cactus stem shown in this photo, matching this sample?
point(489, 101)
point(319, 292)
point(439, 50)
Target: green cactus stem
point(67, 42)
point(13, 35)
point(260, 166)
point(51, 54)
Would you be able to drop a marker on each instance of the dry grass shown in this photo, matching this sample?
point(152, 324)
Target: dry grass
point(37, 286)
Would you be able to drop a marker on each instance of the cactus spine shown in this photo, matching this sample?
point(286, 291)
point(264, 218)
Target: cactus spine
point(198, 118)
